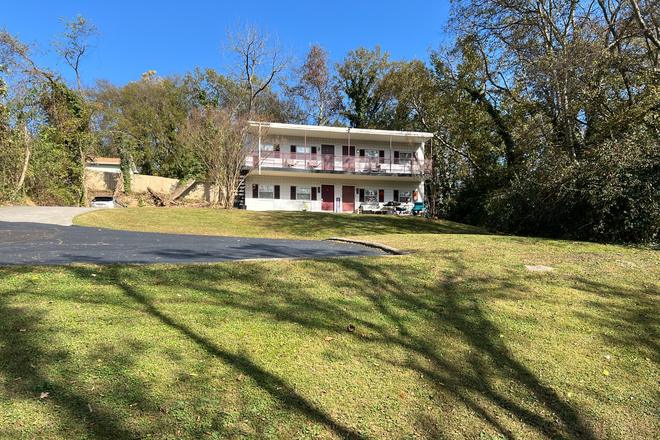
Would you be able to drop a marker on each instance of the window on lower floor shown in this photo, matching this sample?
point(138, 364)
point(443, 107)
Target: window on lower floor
point(405, 196)
point(266, 192)
point(303, 193)
point(370, 196)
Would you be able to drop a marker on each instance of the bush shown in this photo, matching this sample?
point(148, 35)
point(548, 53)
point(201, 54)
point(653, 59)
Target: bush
point(612, 196)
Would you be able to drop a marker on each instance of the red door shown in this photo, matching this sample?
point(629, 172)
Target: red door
point(347, 199)
point(328, 154)
point(327, 197)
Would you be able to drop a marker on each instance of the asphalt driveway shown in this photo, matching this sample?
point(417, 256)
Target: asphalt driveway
point(27, 243)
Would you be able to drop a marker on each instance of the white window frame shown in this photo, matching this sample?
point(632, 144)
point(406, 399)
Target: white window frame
point(405, 195)
point(372, 153)
point(303, 193)
point(263, 194)
point(371, 195)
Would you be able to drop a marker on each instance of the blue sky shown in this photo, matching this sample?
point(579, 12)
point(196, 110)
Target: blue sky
point(174, 37)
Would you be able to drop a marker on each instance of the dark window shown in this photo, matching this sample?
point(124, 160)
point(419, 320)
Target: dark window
point(313, 193)
point(396, 195)
point(381, 195)
point(361, 194)
point(277, 191)
point(255, 191)
point(293, 193)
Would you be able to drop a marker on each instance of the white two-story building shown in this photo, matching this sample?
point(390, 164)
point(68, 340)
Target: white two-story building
point(334, 169)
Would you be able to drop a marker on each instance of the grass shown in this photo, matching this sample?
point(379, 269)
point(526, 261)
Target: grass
point(456, 340)
point(271, 224)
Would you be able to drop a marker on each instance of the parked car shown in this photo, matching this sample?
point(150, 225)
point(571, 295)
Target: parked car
point(105, 202)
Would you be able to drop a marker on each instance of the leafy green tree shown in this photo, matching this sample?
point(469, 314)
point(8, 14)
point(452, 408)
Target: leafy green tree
point(565, 85)
point(362, 73)
point(144, 117)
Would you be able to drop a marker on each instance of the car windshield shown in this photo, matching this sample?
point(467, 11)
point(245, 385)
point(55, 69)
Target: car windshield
point(102, 199)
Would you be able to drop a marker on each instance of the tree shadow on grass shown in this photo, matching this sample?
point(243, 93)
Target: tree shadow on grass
point(26, 356)
point(275, 386)
point(454, 303)
point(631, 308)
point(446, 305)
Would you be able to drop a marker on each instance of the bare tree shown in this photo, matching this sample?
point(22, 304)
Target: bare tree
point(255, 57)
point(316, 87)
point(79, 38)
point(220, 141)
point(19, 61)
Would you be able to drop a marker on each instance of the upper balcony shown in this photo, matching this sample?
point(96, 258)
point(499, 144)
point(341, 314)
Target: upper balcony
point(330, 163)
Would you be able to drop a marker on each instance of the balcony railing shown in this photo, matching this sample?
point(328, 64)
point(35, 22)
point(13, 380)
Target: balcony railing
point(330, 162)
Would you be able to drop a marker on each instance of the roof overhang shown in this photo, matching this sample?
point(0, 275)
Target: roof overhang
point(360, 134)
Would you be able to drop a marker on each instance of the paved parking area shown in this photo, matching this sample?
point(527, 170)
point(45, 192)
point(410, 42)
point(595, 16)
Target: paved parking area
point(52, 215)
point(26, 243)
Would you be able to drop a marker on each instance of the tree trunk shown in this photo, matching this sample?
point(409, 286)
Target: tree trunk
point(119, 185)
point(181, 189)
point(28, 151)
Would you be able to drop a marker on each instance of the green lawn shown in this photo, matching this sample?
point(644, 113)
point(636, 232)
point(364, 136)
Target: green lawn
point(271, 224)
point(455, 340)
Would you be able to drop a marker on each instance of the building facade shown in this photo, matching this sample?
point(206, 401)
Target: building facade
point(333, 169)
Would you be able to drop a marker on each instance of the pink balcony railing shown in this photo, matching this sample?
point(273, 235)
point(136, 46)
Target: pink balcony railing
point(329, 162)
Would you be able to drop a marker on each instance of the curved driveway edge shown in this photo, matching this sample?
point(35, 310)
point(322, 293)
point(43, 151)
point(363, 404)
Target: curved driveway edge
point(52, 215)
point(371, 244)
point(24, 243)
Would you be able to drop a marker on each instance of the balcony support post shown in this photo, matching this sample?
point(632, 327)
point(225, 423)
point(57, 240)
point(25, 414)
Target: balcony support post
point(391, 160)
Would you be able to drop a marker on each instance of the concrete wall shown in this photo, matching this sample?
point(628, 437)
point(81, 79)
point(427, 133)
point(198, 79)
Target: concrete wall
point(104, 181)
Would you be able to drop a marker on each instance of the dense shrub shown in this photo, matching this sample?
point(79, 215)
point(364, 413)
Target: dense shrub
point(613, 196)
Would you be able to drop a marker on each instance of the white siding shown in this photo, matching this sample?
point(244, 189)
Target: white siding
point(284, 203)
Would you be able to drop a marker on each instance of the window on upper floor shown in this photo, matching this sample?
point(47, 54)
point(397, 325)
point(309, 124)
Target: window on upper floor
point(371, 153)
